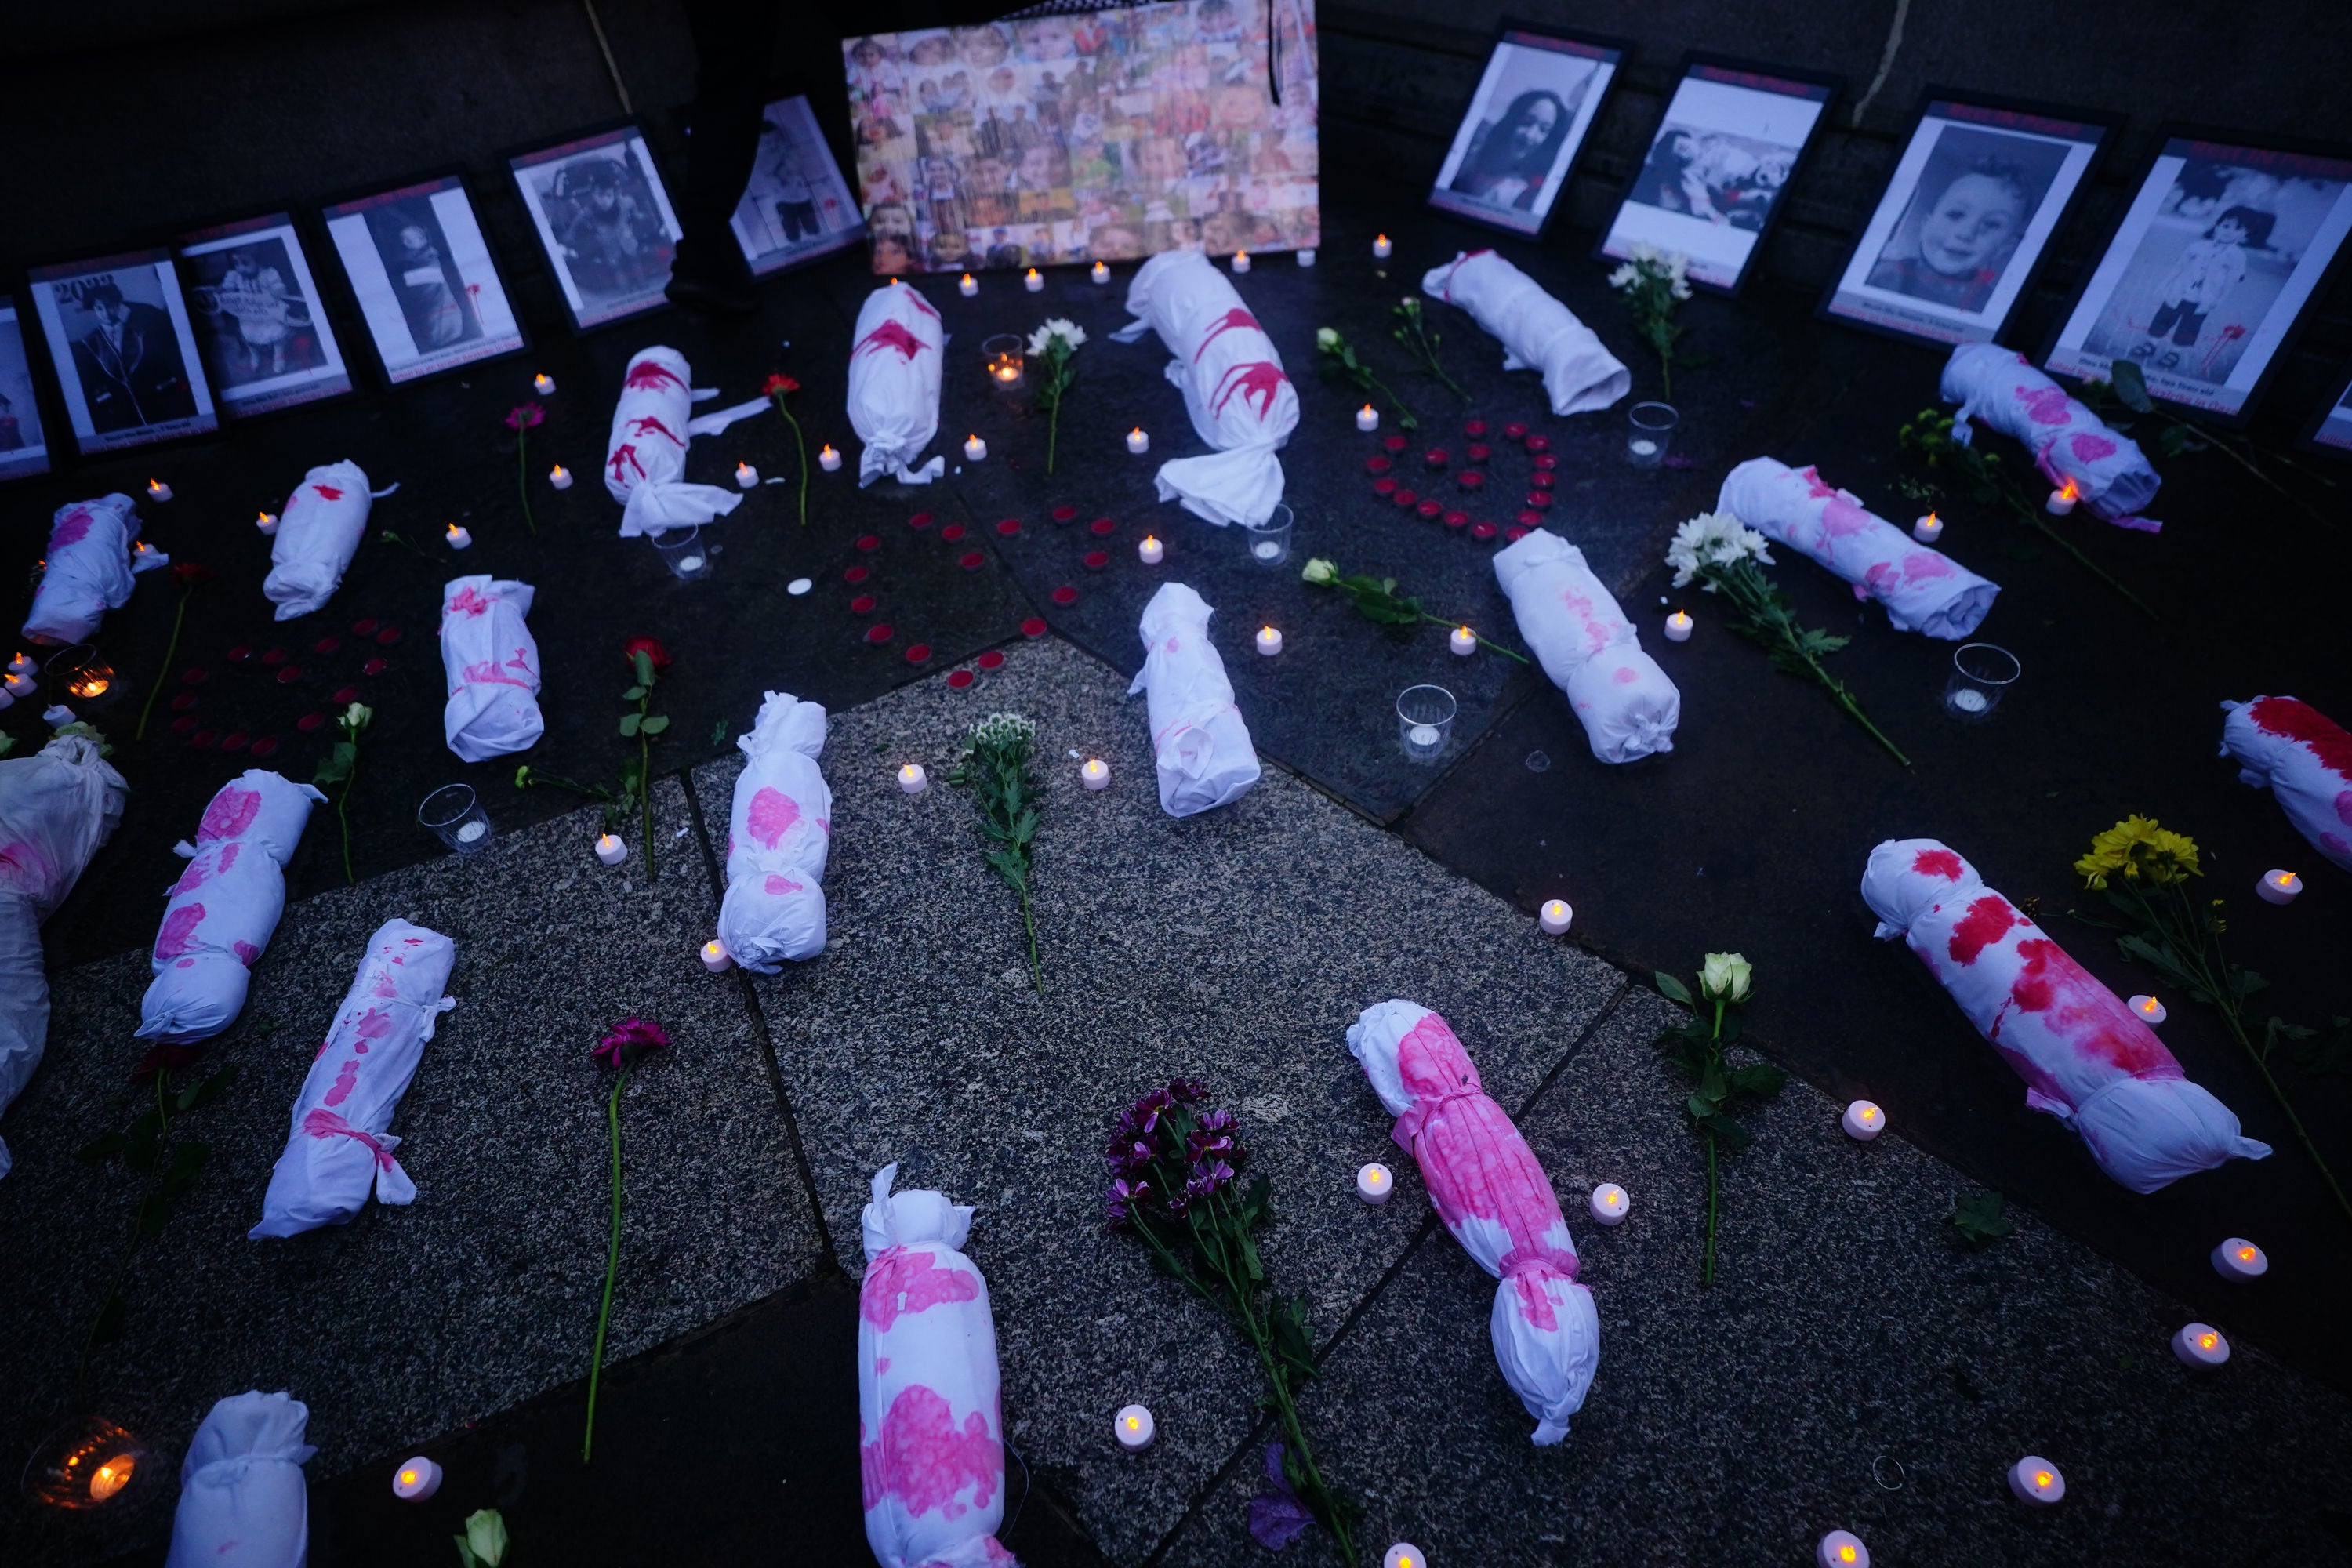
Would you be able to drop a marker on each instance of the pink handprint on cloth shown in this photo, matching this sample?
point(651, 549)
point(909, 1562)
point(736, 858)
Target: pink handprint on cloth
point(645, 450)
point(894, 386)
point(779, 832)
point(1924, 590)
point(87, 569)
point(492, 665)
point(2085, 1057)
point(2304, 759)
point(2068, 442)
point(1493, 1196)
point(1572, 624)
point(207, 945)
point(930, 1423)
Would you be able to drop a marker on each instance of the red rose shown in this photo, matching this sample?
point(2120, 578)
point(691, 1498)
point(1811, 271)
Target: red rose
point(189, 573)
point(650, 648)
point(161, 1058)
point(779, 384)
point(524, 418)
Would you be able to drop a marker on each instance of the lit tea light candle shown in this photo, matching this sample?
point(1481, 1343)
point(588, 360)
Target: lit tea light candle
point(2148, 1009)
point(1929, 529)
point(420, 1478)
point(460, 537)
point(969, 287)
point(1381, 248)
point(2201, 1346)
point(1368, 418)
point(1862, 1121)
point(267, 523)
point(1842, 1549)
point(2279, 886)
point(542, 383)
point(1241, 261)
point(1610, 1204)
point(1374, 1183)
point(610, 849)
point(20, 684)
point(1138, 442)
point(1404, 1555)
point(1269, 641)
point(828, 460)
point(1033, 282)
point(158, 490)
point(2240, 1261)
point(7, 698)
point(1099, 272)
point(1463, 641)
point(111, 1476)
point(715, 957)
point(1134, 1428)
point(1554, 916)
point(21, 664)
point(1678, 626)
point(974, 448)
point(560, 477)
point(1096, 775)
point(1151, 552)
point(2062, 500)
point(746, 476)
point(912, 779)
point(2036, 1481)
point(1307, 257)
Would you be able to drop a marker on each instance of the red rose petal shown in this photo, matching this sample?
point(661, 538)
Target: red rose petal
point(879, 633)
point(239, 654)
point(273, 656)
point(1457, 519)
point(862, 605)
point(363, 628)
point(203, 737)
point(387, 636)
point(347, 696)
point(920, 519)
point(1034, 626)
point(1479, 452)
point(856, 574)
point(376, 665)
point(867, 544)
point(918, 653)
point(1429, 510)
point(290, 675)
point(1539, 443)
point(184, 723)
point(1096, 560)
point(1065, 514)
point(1102, 528)
point(1066, 594)
point(184, 701)
point(951, 532)
point(959, 679)
point(1514, 431)
point(1539, 499)
point(1404, 498)
point(992, 659)
point(1009, 528)
point(1513, 535)
point(1436, 457)
point(1384, 487)
point(324, 644)
point(1376, 464)
point(1531, 520)
point(1482, 532)
point(266, 746)
point(235, 740)
point(309, 721)
point(971, 560)
point(192, 676)
point(1543, 479)
point(1473, 428)
point(1471, 479)
point(1393, 444)
point(1544, 462)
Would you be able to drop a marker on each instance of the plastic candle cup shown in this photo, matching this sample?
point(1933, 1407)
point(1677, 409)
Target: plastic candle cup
point(1842, 1549)
point(267, 525)
point(1678, 626)
point(21, 664)
point(1096, 775)
point(1134, 1428)
point(1241, 261)
point(2036, 1481)
point(1307, 257)
point(21, 685)
point(1368, 418)
point(1649, 432)
point(2240, 1261)
point(1862, 1121)
point(1269, 641)
point(2279, 886)
point(1099, 272)
point(1555, 917)
point(1929, 529)
point(420, 1478)
point(828, 460)
point(969, 286)
point(1424, 721)
point(1381, 248)
point(1151, 552)
point(1463, 641)
point(111, 1476)
point(610, 849)
point(974, 448)
point(1138, 442)
point(460, 537)
point(2062, 500)
point(746, 476)
point(542, 383)
point(714, 956)
point(912, 779)
point(157, 490)
point(1033, 282)
point(1374, 1183)
point(1610, 1204)
point(560, 477)
point(2201, 1347)
point(2148, 1009)
point(1404, 1555)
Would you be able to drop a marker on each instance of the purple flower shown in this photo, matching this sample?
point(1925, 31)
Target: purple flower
point(1187, 1090)
point(1125, 1196)
point(1277, 1515)
point(630, 1039)
point(1207, 1178)
point(1128, 1157)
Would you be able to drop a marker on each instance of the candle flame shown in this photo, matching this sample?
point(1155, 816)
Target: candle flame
point(1134, 1424)
point(967, 277)
point(1379, 239)
point(1468, 632)
point(556, 472)
point(2245, 1255)
point(1870, 1113)
point(2068, 490)
point(111, 1476)
point(2041, 1479)
point(2283, 878)
point(1845, 1555)
point(408, 1478)
point(1241, 255)
point(1033, 272)
point(2208, 1341)
point(711, 949)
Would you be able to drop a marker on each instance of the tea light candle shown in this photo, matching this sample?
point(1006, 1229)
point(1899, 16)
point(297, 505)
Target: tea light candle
point(7, 698)
point(1555, 917)
point(974, 449)
point(912, 779)
point(1033, 282)
point(2279, 886)
point(1404, 1555)
point(1241, 261)
point(746, 476)
point(2240, 1261)
point(1463, 641)
point(1610, 1204)
point(2201, 1346)
point(1151, 552)
point(1862, 1121)
point(1269, 641)
point(828, 460)
point(1138, 442)
point(2062, 500)
point(1368, 418)
point(2036, 1481)
point(1842, 1549)
point(1678, 626)
point(1099, 272)
point(267, 525)
point(21, 664)
point(20, 683)
point(420, 1478)
point(2149, 1009)
point(1307, 257)
point(1374, 1183)
point(1929, 529)
point(460, 537)
point(57, 716)
point(158, 490)
point(1096, 775)
point(610, 849)
point(969, 287)
point(542, 383)
point(560, 477)
point(715, 958)
point(1381, 248)
point(1134, 1428)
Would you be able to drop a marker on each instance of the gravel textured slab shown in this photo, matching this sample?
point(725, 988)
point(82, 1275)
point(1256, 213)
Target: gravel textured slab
point(1234, 946)
point(412, 1321)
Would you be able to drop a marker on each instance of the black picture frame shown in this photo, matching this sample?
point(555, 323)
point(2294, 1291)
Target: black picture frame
point(2337, 410)
point(21, 459)
point(1814, 87)
point(376, 303)
point(333, 377)
point(2019, 118)
point(2279, 158)
point(149, 380)
point(641, 294)
point(1610, 56)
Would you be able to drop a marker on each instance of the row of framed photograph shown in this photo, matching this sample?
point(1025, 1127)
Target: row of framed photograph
point(2225, 242)
point(164, 342)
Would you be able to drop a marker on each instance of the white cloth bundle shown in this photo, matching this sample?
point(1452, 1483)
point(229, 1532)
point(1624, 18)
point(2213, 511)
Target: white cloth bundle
point(340, 1147)
point(57, 808)
point(930, 1423)
point(224, 906)
point(1923, 590)
point(2087, 1059)
point(492, 663)
point(1492, 1193)
point(2111, 475)
point(776, 840)
point(645, 456)
point(2304, 758)
point(1538, 331)
point(87, 568)
point(1235, 388)
point(894, 386)
point(243, 1501)
point(318, 533)
point(1199, 742)
point(1628, 707)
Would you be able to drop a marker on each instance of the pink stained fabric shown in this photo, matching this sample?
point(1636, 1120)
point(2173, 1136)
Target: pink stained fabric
point(490, 664)
point(2111, 475)
point(896, 362)
point(1493, 1196)
point(224, 907)
point(2304, 759)
point(779, 830)
point(645, 451)
point(2084, 1056)
point(87, 569)
point(1569, 619)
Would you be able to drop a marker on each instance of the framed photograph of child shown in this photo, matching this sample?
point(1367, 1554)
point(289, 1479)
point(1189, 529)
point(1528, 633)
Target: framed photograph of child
point(1968, 212)
point(1518, 142)
point(423, 278)
point(265, 338)
point(24, 442)
point(2201, 286)
point(124, 351)
point(1733, 137)
point(604, 218)
point(2330, 433)
point(796, 206)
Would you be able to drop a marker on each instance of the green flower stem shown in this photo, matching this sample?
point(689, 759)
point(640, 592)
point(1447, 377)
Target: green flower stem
point(2027, 514)
point(170, 650)
point(1706, 1259)
point(800, 449)
point(342, 798)
point(1769, 623)
point(523, 476)
point(645, 784)
point(1499, 647)
point(612, 1261)
point(122, 1269)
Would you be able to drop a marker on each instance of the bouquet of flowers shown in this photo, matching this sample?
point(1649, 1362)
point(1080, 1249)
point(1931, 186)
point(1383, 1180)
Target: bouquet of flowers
point(1054, 343)
point(1655, 283)
point(995, 767)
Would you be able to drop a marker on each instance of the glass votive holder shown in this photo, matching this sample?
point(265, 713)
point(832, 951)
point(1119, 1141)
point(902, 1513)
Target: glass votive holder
point(1003, 352)
point(1649, 432)
point(79, 673)
point(685, 551)
point(1269, 541)
point(456, 818)
point(1424, 721)
point(1980, 674)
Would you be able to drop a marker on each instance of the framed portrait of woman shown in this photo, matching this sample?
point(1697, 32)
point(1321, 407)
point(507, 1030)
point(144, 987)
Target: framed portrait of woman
point(1517, 145)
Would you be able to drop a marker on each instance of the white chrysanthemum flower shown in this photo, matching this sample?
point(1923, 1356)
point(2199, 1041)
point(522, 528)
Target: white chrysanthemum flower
point(1626, 277)
point(1072, 335)
point(1714, 539)
point(1644, 251)
point(1682, 290)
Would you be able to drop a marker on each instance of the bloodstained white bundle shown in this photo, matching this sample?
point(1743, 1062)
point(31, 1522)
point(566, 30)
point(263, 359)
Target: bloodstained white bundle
point(491, 663)
point(1628, 706)
point(777, 836)
point(1199, 745)
point(1538, 331)
point(86, 570)
point(318, 533)
point(2304, 759)
point(895, 362)
point(645, 454)
point(2069, 443)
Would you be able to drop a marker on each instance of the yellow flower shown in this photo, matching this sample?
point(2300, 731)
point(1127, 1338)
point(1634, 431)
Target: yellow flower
point(2137, 847)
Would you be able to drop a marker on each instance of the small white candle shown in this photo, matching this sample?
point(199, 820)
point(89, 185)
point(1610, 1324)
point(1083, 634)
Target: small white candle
point(2240, 1261)
point(1096, 775)
point(1678, 626)
point(420, 1478)
point(690, 564)
point(57, 716)
point(1151, 552)
point(2149, 1009)
point(158, 490)
point(1033, 282)
point(267, 524)
point(974, 448)
point(2201, 1346)
point(1099, 272)
point(460, 537)
point(467, 832)
point(1404, 1555)
point(1138, 442)
point(1374, 1183)
point(1241, 261)
point(7, 698)
point(828, 460)
point(1421, 737)
point(969, 287)
point(1381, 248)
point(912, 779)
point(2036, 1481)
point(1842, 1549)
point(542, 383)
point(21, 664)
point(1555, 917)
point(1463, 641)
point(20, 684)
point(1643, 446)
point(560, 477)
point(746, 476)
point(1862, 1121)
point(1134, 1428)
point(1969, 699)
point(714, 956)
point(1368, 418)
point(1307, 258)
point(610, 849)
point(2279, 886)
point(800, 585)
point(1269, 641)
point(1929, 529)
point(1610, 1204)
point(2062, 500)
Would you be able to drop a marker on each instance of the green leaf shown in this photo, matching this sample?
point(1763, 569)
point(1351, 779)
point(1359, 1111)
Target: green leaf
point(629, 723)
point(140, 1143)
point(645, 667)
point(1727, 1132)
point(1672, 989)
point(1762, 1080)
point(99, 1148)
point(634, 694)
point(1980, 1220)
point(2332, 1054)
point(2131, 386)
point(209, 1090)
point(654, 725)
point(1702, 1105)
